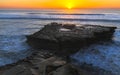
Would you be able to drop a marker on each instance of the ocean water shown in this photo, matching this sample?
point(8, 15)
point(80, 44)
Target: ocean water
point(16, 24)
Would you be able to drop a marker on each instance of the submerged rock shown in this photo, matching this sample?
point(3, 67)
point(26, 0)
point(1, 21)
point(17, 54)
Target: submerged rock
point(68, 37)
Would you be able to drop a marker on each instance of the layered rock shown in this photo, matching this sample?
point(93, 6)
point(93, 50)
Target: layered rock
point(70, 37)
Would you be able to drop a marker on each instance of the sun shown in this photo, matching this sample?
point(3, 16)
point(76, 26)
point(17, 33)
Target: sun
point(69, 5)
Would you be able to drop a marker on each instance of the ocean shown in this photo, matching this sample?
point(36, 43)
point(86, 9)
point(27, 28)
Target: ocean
point(16, 24)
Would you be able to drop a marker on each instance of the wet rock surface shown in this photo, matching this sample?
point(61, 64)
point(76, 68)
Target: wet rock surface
point(70, 37)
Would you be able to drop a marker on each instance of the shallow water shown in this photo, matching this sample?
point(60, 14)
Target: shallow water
point(16, 24)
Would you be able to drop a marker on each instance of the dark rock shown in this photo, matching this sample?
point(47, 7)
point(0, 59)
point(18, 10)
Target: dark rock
point(42, 66)
point(47, 66)
point(34, 72)
point(65, 70)
point(70, 37)
point(18, 70)
point(59, 63)
point(89, 69)
point(69, 26)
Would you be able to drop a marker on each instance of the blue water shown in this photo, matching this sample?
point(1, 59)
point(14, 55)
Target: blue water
point(16, 24)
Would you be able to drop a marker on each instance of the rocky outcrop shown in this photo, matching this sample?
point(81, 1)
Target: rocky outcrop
point(70, 37)
point(61, 38)
point(50, 66)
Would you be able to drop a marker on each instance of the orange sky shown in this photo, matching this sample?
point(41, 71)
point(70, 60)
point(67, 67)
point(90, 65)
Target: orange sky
point(59, 3)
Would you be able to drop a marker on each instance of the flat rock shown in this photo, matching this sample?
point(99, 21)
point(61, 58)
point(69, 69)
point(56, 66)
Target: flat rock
point(48, 65)
point(70, 37)
point(18, 70)
point(65, 70)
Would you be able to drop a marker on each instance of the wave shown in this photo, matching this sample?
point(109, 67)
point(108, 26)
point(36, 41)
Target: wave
point(104, 20)
point(62, 16)
point(65, 14)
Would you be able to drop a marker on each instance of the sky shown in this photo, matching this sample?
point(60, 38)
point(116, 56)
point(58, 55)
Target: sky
point(60, 4)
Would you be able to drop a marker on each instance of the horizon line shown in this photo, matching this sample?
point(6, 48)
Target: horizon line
point(60, 8)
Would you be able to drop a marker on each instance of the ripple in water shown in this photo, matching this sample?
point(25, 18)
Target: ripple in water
point(12, 49)
point(13, 46)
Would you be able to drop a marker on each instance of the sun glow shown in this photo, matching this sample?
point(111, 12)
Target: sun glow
point(70, 5)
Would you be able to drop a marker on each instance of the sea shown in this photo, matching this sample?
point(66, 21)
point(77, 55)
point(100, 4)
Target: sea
point(15, 24)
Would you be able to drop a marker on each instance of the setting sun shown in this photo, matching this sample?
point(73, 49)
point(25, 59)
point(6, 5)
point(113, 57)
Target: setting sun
point(69, 5)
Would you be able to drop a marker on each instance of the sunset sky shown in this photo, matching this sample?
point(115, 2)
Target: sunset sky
point(60, 4)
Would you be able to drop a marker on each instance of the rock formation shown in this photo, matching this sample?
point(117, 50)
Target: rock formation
point(69, 37)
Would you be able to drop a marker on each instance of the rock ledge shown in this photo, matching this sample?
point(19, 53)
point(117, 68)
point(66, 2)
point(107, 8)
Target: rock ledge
point(65, 37)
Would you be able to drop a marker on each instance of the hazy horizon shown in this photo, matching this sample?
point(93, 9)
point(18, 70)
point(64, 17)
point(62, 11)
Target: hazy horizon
point(68, 4)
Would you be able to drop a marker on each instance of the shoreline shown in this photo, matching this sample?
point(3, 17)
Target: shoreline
point(84, 69)
point(25, 60)
point(47, 62)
